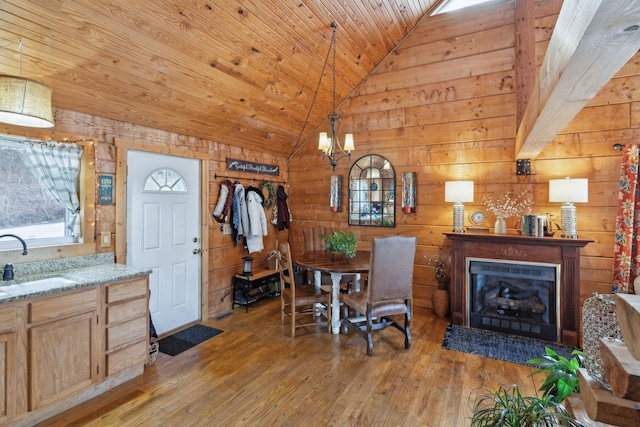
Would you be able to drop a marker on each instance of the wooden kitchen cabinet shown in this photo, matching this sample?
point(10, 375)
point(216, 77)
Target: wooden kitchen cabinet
point(62, 346)
point(59, 350)
point(126, 325)
point(7, 363)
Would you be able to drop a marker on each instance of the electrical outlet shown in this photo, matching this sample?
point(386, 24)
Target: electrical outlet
point(226, 228)
point(105, 239)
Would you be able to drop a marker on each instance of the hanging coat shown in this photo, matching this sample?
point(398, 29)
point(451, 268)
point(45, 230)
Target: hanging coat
point(283, 214)
point(257, 220)
point(240, 216)
point(221, 211)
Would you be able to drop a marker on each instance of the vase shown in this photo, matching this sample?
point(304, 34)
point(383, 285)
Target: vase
point(440, 302)
point(500, 226)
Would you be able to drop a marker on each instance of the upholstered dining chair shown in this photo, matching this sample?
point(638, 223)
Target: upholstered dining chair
point(299, 300)
point(388, 293)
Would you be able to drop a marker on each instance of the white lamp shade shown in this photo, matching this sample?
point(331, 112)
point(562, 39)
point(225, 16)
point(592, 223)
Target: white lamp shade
point(25, 102)
point(569, 190)
point(323, 142)
point(348, 143)
point(458, 191)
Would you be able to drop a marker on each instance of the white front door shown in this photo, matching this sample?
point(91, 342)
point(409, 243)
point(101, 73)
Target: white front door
point(163, 234)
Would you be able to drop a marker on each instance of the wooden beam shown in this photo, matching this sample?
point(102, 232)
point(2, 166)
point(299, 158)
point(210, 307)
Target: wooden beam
point(525, 56)
point(592, 40)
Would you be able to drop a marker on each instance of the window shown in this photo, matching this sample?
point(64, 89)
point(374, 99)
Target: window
point(164, 180)
point(452, 5)
point(27, 207)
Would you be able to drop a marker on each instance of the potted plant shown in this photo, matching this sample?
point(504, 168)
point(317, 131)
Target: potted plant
point(507, 407)
point(440, 297)
point(562, 373)
point(341, 242)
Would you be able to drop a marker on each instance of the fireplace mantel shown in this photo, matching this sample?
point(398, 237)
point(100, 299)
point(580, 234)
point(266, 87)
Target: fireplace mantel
point(515, 247)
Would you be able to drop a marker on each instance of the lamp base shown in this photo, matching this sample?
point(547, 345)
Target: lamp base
point(458, 217)
point(569, 222)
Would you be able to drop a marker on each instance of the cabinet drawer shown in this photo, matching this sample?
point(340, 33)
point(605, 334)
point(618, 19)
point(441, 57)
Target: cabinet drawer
point(126, 290)
point(126, 310)
point(135, 354)
point(63, 305)
point(7, 320)
point(127, 332)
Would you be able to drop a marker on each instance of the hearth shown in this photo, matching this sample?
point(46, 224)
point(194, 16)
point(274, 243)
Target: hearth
point(562, 316)
point(514, 297)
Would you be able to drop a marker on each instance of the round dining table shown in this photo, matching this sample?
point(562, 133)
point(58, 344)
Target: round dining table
point(337, 266)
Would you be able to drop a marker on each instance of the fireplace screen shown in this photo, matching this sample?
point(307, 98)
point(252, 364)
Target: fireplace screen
point(516, 298)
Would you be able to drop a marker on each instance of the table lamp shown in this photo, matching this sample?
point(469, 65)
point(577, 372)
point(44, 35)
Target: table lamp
point(458, 192)
point(569, 191)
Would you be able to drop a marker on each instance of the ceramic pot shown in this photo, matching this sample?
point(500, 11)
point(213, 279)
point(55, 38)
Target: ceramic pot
point(440, 302)
point(500, 226)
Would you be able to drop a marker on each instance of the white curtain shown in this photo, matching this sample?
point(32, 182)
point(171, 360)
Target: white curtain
point(57, 165)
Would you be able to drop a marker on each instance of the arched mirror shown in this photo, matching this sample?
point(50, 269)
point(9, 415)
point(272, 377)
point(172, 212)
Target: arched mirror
point(372, 184)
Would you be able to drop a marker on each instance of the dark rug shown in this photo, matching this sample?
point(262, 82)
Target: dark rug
point(496, 345)
point(187, 338)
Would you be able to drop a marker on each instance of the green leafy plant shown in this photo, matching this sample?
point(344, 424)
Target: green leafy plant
point(341, 242)
point(506, 407)
point(562, 373)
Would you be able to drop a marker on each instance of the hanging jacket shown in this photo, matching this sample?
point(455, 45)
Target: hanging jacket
point(257, 220)
point(240, 216)
point(221, 211)
point(283, 215)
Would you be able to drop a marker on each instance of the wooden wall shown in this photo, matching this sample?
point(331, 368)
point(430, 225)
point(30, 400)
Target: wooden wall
point(224, 259)
point(443, 105)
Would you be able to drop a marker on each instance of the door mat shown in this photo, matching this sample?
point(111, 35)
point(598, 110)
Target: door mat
point(496, 345)
point(183, 340)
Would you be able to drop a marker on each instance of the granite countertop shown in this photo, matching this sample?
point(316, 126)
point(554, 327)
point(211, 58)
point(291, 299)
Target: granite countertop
point(49, 277)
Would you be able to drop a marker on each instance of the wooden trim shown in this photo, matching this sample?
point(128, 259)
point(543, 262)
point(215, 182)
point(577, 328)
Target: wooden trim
point(122, 145)
point(160, 149)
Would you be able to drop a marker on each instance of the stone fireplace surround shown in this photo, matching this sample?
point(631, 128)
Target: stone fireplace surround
point(514, 247)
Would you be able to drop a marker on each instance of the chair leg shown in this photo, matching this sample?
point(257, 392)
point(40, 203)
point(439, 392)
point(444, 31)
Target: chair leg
point(407, 332)
point(293, 320)
point(369, 337)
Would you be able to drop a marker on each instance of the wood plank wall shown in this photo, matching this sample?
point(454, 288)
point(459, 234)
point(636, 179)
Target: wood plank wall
point(443, 105)
point(224, 258)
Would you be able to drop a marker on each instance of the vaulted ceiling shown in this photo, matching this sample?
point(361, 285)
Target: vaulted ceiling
point(241, 72)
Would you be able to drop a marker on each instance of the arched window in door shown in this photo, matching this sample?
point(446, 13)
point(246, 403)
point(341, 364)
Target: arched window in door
point(372, 184)
point(165, 180)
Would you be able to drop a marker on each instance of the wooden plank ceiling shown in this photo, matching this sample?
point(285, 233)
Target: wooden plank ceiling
point(241, 72)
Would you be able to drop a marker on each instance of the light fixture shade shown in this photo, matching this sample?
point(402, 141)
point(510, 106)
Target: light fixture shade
point(25, 102)
point(323, 142)
point(458, 191)
point(569, 190)
point(348, 143)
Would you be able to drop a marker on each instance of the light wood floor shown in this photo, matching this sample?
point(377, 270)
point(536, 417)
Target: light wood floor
point(254, 374)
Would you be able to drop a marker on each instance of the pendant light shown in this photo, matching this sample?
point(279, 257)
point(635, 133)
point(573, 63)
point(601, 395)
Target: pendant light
point(329, 143)
point(24, 102)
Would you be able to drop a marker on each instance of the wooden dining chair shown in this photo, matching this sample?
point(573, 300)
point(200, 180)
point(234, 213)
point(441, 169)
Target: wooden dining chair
point(300, 300)
point(388, 293)
point(313, 241)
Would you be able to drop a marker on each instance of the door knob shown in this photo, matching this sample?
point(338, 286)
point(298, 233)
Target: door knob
point(196, 251)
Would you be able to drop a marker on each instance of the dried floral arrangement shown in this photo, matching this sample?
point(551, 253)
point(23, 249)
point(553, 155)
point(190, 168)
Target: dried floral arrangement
point(507, 205)
point(442, 264)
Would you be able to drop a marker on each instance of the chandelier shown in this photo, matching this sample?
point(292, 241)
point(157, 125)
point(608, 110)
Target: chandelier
point(329, 143)
point(24, 102)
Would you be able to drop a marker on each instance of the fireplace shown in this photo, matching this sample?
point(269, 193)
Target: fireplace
point(513, 254)
point(513, 297)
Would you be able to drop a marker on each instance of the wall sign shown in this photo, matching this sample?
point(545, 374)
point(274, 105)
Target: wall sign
point(244, 166)
point(105, 193)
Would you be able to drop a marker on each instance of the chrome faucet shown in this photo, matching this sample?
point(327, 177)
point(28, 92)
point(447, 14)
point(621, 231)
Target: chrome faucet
point(8, 269)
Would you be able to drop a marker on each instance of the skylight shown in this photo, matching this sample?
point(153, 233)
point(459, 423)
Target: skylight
point(457, 4)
